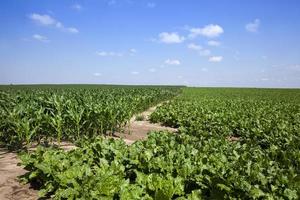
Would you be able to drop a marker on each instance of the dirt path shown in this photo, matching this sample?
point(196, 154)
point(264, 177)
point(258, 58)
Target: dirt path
point(138, 129)
point(12, 189)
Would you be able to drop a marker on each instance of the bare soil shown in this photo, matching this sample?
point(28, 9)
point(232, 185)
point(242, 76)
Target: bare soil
point(138, 130)
point(233, 138)
point(12, 189)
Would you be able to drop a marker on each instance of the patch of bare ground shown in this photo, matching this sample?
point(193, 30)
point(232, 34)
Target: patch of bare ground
point(233, 138)
point(10, 187)
point(140, 126)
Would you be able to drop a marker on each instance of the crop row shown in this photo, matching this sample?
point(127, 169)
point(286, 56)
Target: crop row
point(264, 121)
point(165, 166)
point(269, 120)
point(54, 114)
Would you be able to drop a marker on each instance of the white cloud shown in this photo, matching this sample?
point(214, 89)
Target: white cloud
point(215, 59)
point(47, 20)
point(170, 38)
point(40, 38)
point(109, 54)
point(77, 7)
point(204, 69)
point(253, 26)
point(152, 70)
point(213, 43)
point(194, 46)
point(135, 73)
point(151, 5)
point(210, 31)
point(42, 19)
point(97, 74)
point(204, 52)
point(103, 53)
point(132, 52)
point(72, 30)
point(172, 62)
point(199, 49)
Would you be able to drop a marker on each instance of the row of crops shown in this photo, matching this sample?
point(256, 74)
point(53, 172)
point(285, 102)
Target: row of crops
point(250, 137)
point(32, 114)
point(263, 117)
point(165, 166)
point(231, 144)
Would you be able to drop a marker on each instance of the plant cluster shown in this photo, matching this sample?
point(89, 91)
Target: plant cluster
point(166, 166)
point(45, 114)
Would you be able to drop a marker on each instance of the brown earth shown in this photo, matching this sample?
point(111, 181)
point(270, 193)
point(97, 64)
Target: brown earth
point(12, 189)
point(138, 130)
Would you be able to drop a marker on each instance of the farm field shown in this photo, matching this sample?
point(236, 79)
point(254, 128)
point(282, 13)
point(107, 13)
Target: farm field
point(70, 112)
point(231, 143)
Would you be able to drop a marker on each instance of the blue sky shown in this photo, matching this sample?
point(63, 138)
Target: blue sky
point(237, 43)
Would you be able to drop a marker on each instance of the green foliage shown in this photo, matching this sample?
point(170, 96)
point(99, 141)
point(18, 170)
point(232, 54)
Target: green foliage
point(166, 166)
point(232, 144)
point(265, 122)
point(35, 114)
point(264, 117)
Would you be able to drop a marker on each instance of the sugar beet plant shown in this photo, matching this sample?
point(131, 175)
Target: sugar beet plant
point(262, 116)
point(265, 121)
point(166, 166)
point(67, 113)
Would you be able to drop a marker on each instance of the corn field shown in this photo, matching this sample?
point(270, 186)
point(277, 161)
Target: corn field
point(48, 114)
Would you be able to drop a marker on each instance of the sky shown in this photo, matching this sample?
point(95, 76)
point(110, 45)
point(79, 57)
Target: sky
point(227, 43)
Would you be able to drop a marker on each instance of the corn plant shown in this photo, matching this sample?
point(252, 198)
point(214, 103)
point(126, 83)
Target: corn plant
point(56, 114)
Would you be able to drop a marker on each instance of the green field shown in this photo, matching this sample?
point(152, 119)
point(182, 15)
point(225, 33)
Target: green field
point(232, 143)
point(70, 112)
